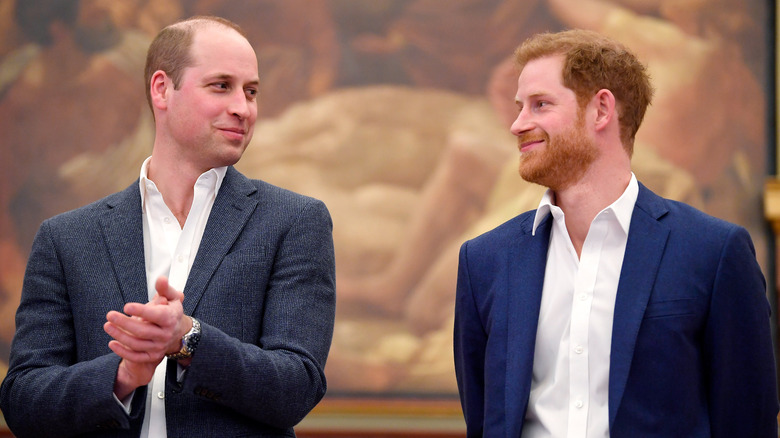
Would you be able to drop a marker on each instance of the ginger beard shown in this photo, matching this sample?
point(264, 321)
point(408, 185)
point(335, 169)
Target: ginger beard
point(562, 161)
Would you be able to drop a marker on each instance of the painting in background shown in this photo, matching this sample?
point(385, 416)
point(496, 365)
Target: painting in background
point(393, 112)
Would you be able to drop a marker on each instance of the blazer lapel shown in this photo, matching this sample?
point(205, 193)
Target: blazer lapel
point(525, 269)
point(644, 249)
point(232, 208)
point(122, 225)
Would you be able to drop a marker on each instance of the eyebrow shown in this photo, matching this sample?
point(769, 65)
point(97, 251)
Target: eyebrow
point(226, 77)
point(535, 95)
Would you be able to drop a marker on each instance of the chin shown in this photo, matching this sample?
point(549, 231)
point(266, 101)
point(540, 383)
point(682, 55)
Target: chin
point(231, 156)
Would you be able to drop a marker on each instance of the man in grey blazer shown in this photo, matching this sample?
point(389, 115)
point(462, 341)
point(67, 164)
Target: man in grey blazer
point(196, 302)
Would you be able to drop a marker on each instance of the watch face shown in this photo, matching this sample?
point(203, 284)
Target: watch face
point(188, 342)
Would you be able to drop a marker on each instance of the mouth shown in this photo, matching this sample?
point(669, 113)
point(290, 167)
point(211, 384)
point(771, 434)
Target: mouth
point(234, 133)
point(529, 145)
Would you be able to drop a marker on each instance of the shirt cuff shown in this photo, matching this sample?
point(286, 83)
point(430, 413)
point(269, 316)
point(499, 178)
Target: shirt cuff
point(126, 403)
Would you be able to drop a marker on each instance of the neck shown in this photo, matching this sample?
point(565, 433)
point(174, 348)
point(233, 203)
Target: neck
point(176, 183)
point(582, 201)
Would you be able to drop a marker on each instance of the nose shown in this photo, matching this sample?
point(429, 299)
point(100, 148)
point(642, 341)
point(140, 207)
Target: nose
point(521, 124)
point(240, 106)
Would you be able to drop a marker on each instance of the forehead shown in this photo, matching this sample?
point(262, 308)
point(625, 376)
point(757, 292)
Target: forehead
point(221, 49)
point(541, 75)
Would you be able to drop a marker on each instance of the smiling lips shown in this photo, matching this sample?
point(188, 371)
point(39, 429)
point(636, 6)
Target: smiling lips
point(527, 143)
point(237, 133)
point(236, 130)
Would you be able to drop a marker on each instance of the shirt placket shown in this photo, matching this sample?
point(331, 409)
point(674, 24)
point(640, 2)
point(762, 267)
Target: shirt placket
point(582, 299)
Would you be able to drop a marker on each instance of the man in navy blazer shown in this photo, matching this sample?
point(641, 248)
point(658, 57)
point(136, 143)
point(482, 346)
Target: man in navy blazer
point(608, 311)
point(195, 303)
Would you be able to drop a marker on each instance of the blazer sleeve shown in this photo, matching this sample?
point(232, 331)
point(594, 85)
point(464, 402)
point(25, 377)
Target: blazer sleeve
point(738, 346)
point(281, 378)
point(470, 342)
point(46, 393)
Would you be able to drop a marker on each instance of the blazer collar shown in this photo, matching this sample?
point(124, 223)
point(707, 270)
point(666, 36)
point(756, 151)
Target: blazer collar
point(644, 249)
point(526, 262)
point(122, 225)
point(232, 208)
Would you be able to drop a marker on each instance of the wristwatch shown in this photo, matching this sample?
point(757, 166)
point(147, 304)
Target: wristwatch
point(189, 342)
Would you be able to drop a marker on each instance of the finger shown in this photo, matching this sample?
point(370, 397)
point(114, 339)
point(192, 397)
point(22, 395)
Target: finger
point(138, 333)
point(165, 314)
point(164, 289)
point(154, 347)
point(124, 352)
point(159, 299)
point(140, 310)
point(133, 324)
point(147, 311)
point(133, 308)
point(124, 325)
point(155, 328)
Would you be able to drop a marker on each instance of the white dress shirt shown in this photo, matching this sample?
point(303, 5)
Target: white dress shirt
point(170, 250)
point(570, 386)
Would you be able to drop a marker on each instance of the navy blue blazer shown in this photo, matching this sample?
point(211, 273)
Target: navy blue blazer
point(691, 346)
point(262, 285)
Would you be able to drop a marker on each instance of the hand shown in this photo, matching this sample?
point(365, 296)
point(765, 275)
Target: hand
point(145, 334)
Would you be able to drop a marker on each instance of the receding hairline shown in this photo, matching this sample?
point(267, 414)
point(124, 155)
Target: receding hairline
point(199, 22)
point(171, 50)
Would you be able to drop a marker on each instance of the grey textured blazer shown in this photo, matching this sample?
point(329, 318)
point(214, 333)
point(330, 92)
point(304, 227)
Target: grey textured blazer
point(262, 285)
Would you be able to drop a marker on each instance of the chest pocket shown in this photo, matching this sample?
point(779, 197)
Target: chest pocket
point(673, 308)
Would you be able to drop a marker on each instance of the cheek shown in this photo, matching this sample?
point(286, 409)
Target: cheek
point(198, 114)
point(188, 123)
point(253, 113)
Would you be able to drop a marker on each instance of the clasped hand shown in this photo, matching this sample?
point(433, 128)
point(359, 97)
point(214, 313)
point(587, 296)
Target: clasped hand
point(144, 334)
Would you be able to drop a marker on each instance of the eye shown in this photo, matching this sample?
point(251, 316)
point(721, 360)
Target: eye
point(251, 93)
point(221, 85)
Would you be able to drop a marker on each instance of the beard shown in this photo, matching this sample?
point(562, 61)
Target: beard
point(564, 159)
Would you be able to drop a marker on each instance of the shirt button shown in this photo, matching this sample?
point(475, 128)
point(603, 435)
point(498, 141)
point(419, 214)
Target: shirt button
point(167, 220)
point(578, 349)
point(579, 404)
point(180, 258)
point(161, 395)
point(583, 297)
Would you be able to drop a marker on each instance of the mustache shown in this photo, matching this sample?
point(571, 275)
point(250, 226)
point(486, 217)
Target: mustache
point(532, 136)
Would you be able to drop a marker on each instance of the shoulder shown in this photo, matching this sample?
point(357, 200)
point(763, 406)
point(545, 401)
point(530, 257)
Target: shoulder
point(517, 228)
point(271, 199)
point(275, 194)
point(683, 218)
point(85, 216)
point(691, 234)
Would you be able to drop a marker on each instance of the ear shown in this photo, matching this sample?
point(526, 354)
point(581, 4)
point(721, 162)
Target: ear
point(604, 104)
point(159, 87)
